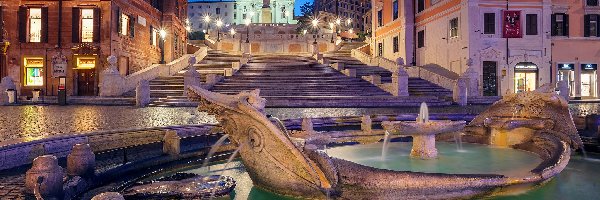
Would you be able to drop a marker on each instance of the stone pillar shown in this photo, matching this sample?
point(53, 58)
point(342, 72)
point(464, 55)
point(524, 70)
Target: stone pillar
point(172, 143)
point(423, 147)
point(111, 80)
point(191, 77)
point(109, 196)
point(81, 161)
point(350, 72)
point(246, 48)
point(307, 124)
point(45, 178)
point(473, 80)
point(319, 58)
point(236, 65)
point(142, 93)
point(459, 92)
point(366, 124)
point(228, 72)
point(338, 66)
point(315, 49)
point(577, 80)
point(563, 88)
point(400, 82)
point(6, 84)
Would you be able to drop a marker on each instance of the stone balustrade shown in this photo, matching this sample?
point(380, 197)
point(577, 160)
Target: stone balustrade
point(113, 84)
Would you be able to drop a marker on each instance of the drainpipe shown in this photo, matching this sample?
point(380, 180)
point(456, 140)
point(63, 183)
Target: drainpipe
point(60, 8)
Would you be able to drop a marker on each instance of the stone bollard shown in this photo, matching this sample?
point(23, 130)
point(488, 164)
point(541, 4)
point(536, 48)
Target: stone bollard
point(109, 196)
point(191, 77)
point(338, 66)
point(228, 72)
point(45, 178)
point(459, 93)
point(366, 124)
point(6, 84)
point(81, 161)
point(246, 48)
point(319, 58)
point(172, 143)
point(400, 82)
point(111, 80)
point(563, 88)
point(375, 79)
point(350, 72)
point(142, 93)
point(236, 65)
point(307, 124)
point(244, 60)
point(315, 49)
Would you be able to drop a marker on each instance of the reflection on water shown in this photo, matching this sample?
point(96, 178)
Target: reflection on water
point(36, 122)
point(473, 159)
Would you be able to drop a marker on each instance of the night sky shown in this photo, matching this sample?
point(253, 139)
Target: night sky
point(296, 9)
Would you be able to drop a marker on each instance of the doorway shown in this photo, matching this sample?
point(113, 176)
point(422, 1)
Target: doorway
point(85, 82)
point(525, 77)
point(490, 78)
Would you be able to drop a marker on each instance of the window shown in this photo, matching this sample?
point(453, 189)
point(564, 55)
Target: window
point(35, 25)
point(395, 9)
point(591, 26)
point(153, 36)
point(454, 27)
point(560, 24)
point(124, 24)
point(592, 2)
point(395, 41)
point(218, 11)
point(421, 39)
point(34, 71)
point(489, 23)
point(531, 27)
point(87, 25)
point(380, 49)
point(420, 5)
point(283, 12)
point(380, 18)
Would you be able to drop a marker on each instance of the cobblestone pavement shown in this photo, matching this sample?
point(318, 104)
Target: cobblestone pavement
point(28, 123)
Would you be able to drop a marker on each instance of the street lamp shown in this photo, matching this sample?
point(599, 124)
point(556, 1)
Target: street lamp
point(232, 32)
point(219, 24)
point(315, 23)
point(163, 36)
point(207, 22)
point(331, 26)
point(247, 22)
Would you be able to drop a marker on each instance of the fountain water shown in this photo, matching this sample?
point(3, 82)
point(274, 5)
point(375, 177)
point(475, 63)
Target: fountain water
point(225, 167)
point(458, 141)
point(386, 141)
point(423, 132)
point(214, 149)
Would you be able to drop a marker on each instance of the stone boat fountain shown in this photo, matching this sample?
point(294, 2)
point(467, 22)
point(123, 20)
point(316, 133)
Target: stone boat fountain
point(277, 162)
point(423, 132)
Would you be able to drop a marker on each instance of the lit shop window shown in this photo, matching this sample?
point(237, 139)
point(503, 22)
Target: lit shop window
point(154, 37)
point(35, 25)
point(124, 24)
point(87, 25)
point(34, 71)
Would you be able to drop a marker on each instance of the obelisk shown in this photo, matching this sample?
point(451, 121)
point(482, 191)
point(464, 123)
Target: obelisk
point(266, 12)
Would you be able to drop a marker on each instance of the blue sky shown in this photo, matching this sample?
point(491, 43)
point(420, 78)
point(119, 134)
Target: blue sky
point(296, 7)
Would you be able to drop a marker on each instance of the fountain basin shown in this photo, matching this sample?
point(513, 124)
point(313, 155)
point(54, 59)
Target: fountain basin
point(509, 123)
point(423, 134)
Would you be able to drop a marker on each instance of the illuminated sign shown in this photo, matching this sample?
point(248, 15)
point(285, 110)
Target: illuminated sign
point(566, 66)
point(589, 66)
point(86, 62)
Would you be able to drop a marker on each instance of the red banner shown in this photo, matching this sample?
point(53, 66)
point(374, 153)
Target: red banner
point(512, 24)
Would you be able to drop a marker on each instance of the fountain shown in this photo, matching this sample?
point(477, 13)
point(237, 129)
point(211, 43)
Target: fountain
point(423, 132)
point(277, 164)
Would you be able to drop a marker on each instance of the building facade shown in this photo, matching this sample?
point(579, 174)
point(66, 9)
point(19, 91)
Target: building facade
point(72, 39)
point(345, 9)
point(576, 46)
point(507, 42)
point(216, 10)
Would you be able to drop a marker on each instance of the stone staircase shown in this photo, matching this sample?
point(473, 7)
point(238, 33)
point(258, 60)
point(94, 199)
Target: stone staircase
point(416, 86)
point(168, 91)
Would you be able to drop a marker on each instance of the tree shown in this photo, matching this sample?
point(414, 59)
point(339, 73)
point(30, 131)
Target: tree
point(304, 21)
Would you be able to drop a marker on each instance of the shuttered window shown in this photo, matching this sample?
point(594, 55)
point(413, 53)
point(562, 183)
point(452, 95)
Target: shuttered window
point(33, 24)
point(489, 23)
point(591, 25)
point(560, 24)
point(532, 24)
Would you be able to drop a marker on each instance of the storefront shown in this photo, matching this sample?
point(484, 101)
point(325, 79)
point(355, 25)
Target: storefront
point(566, 72)
point(85, 74)
point(33, 70)
point(588, 80)
point(526, 74)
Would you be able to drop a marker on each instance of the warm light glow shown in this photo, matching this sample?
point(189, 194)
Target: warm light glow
point(188, 28)
point(338, 21)
point(348, 21)
point(204, 31)
point(351, 31)
point(232, 31)
point(87, 25)
point(207, 18)
point(219, 23)
point(35, 25)
point(247, 21)
point(304, 32)
point(187, 21)
point(315, 22)
point(331, 25)
point(162, 33)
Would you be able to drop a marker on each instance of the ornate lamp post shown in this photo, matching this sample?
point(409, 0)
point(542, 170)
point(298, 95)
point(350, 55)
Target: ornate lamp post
point(315, 24)
point(247, 22)
point(207, 22)
point(163, 36)
point(219, 23)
